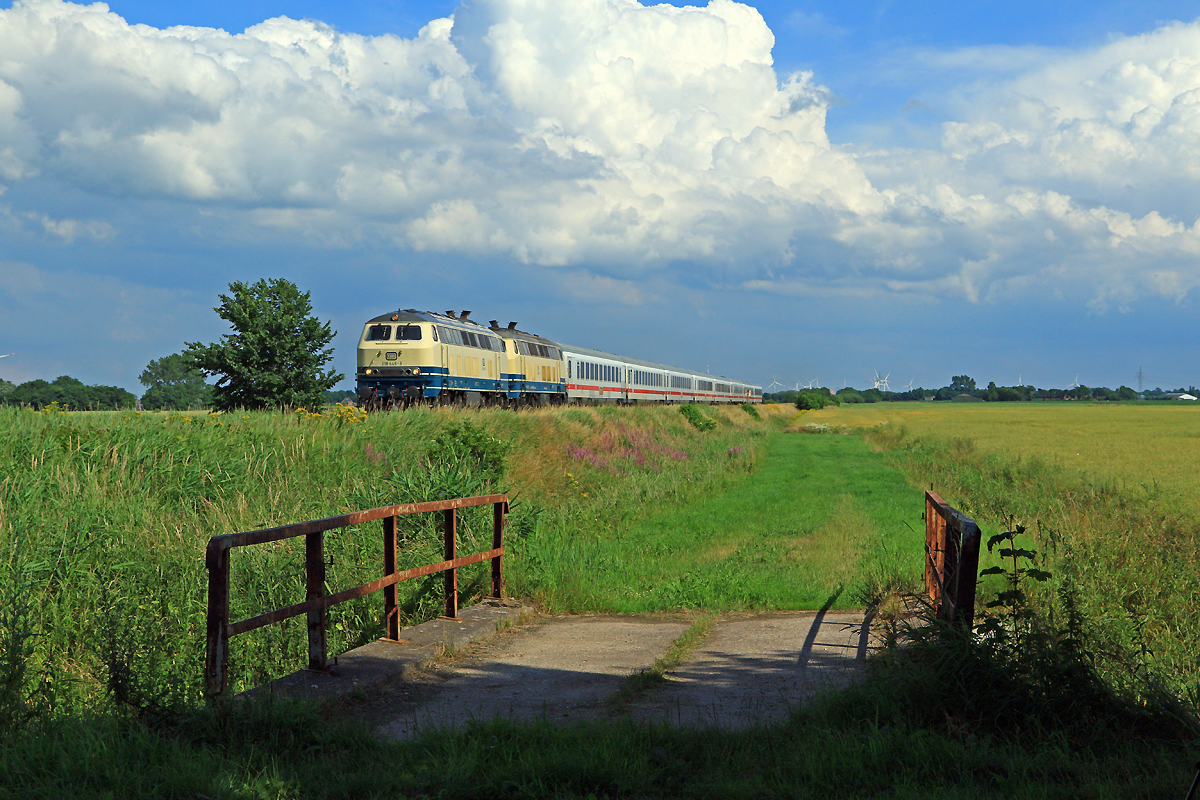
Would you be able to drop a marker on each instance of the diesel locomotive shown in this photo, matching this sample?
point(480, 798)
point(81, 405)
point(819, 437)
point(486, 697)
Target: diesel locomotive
point(408, 357)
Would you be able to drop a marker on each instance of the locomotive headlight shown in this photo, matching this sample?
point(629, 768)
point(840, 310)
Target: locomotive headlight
point(368, 371)
point(416, 370)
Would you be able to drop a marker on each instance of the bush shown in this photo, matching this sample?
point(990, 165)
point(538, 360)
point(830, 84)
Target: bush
point(694, 415)
point(810, 400)
point(462, 441)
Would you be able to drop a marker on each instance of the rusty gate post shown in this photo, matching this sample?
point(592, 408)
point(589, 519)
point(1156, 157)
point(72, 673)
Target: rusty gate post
point(216, 661)
point(450, 535)
point(498, 512)
point(968, 571)
point(935, 527)
point(391, 614)
point(314, 562)
point(951, 536)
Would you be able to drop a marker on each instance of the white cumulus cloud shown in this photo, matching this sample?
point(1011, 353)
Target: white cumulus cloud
point(609, 133)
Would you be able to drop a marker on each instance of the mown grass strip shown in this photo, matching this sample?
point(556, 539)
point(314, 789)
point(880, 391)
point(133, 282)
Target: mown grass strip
point(820, 511)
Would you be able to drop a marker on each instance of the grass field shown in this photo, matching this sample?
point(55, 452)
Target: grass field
point(103, 519)
point(1109, 495)
point(1148, 450)
point(822, 521)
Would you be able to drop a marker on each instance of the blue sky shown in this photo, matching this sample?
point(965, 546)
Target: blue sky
point(773, 191)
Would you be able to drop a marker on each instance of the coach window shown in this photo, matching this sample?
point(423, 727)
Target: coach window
point(409, 332)
point(433, 331)
point(379, 333)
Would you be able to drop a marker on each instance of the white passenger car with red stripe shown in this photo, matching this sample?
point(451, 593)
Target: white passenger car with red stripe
point(594, 376)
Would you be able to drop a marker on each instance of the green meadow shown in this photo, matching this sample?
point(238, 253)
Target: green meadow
point(104, 518)
point(1109, 495)
point(822, 522)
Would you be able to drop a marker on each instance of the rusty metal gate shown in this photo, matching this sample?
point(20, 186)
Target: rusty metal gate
point(316, 601)
point(951, 561)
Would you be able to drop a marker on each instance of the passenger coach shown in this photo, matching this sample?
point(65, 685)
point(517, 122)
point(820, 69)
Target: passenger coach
point(594, 376)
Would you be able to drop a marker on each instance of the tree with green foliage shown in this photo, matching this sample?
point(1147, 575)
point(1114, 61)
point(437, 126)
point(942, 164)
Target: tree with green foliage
point(276, 354)
point(1080, 392)
point(848, 395)
point(1007, 394)
point(962, 384)
point(172, 384)
point(5, 388)
point(1125, 393)
point(812, 399)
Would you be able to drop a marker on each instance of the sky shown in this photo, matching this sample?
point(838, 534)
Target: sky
point(777, 192)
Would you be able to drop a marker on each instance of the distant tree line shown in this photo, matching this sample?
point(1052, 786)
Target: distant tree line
point(68, 392)
point(960, 386)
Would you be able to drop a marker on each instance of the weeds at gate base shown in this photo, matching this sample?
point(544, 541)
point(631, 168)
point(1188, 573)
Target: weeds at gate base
point(1025, 674)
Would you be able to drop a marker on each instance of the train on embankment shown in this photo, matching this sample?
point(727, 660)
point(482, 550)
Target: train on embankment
point(412, 357)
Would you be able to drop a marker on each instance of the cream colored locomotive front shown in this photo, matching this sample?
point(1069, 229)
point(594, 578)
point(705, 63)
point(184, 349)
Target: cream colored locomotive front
point(397, 349)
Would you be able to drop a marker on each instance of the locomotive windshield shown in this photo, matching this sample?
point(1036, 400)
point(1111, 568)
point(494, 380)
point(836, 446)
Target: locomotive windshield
point(383, 333)
point(409, 332)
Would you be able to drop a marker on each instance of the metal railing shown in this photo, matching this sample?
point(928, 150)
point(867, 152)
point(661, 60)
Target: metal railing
point(316, 601)
point(951, 561)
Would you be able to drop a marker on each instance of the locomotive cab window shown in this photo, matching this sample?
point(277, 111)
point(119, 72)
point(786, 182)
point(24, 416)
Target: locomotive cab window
point(410, 333)
point(379, 333)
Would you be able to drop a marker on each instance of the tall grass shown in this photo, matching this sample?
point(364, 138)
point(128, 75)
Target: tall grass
point(104, 519)
point(1132, 564)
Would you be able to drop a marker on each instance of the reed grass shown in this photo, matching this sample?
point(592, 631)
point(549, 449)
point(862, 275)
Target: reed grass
point(104, 520)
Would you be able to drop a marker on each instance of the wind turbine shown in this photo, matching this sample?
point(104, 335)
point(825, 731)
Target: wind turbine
point(775, 383)
point(1075, 385)
point(811, 383)
point(6, 355)
point(909, 387)
point(881, 383)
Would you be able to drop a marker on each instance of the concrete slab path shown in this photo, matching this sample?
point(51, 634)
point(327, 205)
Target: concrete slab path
point(557, 668)
point(755, 670)
point(748, 671)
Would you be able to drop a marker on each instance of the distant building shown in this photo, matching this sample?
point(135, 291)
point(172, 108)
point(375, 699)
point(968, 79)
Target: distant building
point(966, 398)
point(1186, 397)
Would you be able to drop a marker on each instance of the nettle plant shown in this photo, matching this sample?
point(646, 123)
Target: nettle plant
point(1015, 616)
